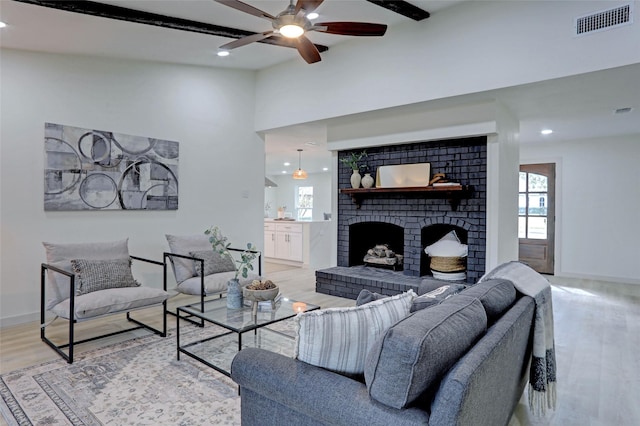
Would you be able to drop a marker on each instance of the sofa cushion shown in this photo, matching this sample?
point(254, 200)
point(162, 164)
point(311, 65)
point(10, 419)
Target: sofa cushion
point(339, 339)
point(184, 269)
point(95, 275)
point(60, 255)
point(416, 352)
point(366, 296)
point(214, 262)
point(435, 297)
point(214, 283)
point(111, 300)
point(496, 295)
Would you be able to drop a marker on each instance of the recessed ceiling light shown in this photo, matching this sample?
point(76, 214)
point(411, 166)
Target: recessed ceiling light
point(546, 131)
point(324, 169)
point(2, 24)
point(223, 53)
point(310, 143)
point(287, 164)
point(312, 15)
point(284, 172)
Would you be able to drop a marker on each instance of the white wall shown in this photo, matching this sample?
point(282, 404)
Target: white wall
point(284, 194)
point(502, 190)
point(469, 48)
point(221, 171)
point(597, 205)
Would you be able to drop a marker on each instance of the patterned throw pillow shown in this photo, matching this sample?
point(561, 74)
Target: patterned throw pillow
point(214, 262)
point(94, 275)
point(338, 339)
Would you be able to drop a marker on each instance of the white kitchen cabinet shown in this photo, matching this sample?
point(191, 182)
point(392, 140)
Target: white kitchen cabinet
point(269, 240)
point(298, 243)
point(288, 241)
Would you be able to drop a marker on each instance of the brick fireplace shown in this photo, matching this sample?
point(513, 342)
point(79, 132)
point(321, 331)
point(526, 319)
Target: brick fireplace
point(408, 222)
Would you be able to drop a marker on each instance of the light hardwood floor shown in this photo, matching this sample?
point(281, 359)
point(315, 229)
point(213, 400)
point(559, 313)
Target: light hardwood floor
point(597, 333)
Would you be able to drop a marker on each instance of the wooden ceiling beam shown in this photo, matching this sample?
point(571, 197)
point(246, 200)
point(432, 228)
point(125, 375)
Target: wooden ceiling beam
point(131, 15)
point(403, 8)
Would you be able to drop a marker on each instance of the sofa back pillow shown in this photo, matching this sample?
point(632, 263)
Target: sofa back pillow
point(184, 269)
point(435, 297)
point(496, 295)
point(415, 353)
point(366, 296)
point(60, 255)
point(338, 339)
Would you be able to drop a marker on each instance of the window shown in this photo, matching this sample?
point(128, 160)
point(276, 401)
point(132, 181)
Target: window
point(304, 202)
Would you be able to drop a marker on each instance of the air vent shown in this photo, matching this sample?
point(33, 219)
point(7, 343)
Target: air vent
point(604, 19)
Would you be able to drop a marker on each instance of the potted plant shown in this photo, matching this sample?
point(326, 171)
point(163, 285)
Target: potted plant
point(220, 244)
point(352, 161)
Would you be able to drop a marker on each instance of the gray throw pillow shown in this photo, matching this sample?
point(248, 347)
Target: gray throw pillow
point(184, 269)
point(436, 296)
point(496, 295)
point(95, 275)
point(416, 352)
point(366, 296)
point(214, 262)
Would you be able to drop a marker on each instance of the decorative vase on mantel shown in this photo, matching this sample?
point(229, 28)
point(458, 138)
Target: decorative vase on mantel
point(234, 294)
point(367, 180)
point(355, 179)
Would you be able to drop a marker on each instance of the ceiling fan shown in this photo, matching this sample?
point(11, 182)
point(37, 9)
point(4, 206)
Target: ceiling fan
point(293, 24)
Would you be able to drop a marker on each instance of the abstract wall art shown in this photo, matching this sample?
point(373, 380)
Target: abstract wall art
point(88, 169)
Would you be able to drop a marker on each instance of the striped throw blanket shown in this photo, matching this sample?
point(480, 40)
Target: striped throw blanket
point(542, 375)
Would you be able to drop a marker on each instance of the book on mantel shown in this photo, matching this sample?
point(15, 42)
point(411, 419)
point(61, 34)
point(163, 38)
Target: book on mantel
point(440, 184)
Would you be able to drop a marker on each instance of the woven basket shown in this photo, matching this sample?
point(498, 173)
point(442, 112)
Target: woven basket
point(448, 264)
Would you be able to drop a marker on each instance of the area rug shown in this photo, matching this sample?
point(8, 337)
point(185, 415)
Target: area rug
point(136, 382)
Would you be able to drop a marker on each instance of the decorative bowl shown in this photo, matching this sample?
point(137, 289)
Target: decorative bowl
point(260, 295)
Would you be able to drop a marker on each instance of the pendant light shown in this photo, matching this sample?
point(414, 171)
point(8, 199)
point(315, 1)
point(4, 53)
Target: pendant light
point(299, 174)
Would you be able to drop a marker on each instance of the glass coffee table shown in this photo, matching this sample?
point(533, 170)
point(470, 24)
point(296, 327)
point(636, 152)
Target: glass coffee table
point(217, 350)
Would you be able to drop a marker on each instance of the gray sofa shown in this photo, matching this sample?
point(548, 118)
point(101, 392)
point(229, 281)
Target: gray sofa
point(463, 361)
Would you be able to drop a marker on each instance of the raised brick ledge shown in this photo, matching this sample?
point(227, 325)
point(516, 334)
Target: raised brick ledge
point(343, 281)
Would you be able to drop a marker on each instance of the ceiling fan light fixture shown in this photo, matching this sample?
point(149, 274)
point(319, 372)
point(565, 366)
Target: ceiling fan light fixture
point(300, 174)
point(291, 31)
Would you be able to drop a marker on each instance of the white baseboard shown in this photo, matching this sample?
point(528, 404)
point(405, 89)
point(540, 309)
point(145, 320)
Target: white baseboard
point(618, 280)
point(19, 319)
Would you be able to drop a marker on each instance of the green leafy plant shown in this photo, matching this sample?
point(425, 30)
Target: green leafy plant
point(221, 245)
point(352, 159)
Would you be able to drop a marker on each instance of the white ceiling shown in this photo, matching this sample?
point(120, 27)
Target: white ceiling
point(44, 29)
point(576, 107)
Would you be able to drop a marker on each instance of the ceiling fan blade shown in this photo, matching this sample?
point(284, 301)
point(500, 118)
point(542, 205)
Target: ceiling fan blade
point(307, 50)
point(246, 40)
point(243, 7)
point(308, 5)
point(351, 28)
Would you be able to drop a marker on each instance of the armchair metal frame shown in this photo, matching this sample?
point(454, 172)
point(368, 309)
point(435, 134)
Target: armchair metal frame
point(169, 255)
point(72, 321)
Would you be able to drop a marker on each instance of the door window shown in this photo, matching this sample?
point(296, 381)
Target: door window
point(532, 206)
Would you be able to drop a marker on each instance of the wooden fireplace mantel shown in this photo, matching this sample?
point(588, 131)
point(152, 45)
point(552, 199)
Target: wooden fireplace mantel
point(453, 193)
